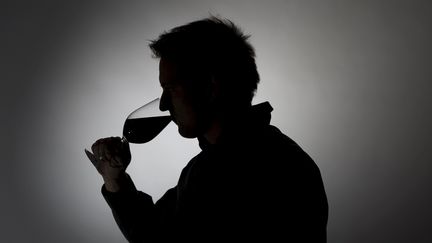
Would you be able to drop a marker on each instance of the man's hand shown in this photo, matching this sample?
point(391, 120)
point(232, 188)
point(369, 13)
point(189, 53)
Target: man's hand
point(110, 156)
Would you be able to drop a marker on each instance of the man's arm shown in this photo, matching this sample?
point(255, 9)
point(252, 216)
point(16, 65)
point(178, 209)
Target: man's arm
point(133, 211)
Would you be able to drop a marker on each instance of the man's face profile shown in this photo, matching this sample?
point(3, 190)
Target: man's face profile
point(177, 99)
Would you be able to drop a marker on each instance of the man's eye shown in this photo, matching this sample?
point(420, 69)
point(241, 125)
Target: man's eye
point(168, 88)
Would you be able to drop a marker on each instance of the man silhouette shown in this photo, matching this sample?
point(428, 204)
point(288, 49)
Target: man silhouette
point(249, 183)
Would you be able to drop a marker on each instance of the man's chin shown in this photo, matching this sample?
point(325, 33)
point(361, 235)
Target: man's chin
point(187, 134)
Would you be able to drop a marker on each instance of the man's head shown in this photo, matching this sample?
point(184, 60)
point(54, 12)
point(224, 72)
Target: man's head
point(207, 71)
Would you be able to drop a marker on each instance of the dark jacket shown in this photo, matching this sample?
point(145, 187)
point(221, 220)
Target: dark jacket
point(254, 185)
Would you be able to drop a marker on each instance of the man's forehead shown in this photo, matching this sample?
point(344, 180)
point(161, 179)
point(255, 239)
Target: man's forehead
point(171, 73)
point(167, 72)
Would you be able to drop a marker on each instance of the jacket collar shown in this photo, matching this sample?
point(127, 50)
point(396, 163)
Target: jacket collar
point(242, 124)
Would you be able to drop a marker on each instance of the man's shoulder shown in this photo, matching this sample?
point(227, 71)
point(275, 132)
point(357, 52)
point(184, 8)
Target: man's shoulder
point(278, 150)
point(272, 139)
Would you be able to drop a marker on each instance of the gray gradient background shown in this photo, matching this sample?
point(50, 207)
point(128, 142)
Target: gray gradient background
point(348, 80)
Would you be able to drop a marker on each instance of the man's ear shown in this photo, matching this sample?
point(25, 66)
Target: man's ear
point(215, 89)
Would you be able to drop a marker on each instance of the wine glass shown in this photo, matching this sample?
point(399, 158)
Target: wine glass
point(145, 123)
point(141, 126)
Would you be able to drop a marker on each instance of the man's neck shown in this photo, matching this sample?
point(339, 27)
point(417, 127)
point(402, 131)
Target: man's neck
point(222, 121)
point(213, 133)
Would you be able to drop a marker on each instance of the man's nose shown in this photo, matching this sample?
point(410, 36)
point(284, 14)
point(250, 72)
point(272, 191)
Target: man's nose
point(164, 102)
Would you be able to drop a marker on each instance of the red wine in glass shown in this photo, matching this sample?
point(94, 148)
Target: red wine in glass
point(145, 123)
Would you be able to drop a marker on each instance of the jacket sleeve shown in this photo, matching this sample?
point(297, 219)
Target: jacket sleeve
point(139, 219)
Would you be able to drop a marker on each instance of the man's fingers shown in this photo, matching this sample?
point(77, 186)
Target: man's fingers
point(101, 147)
point(91, 157)
point(109, 149)
point(112, 148)
point(96, 148)
point(115, 163)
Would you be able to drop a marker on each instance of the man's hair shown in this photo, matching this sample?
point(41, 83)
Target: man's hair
point(213, 48)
